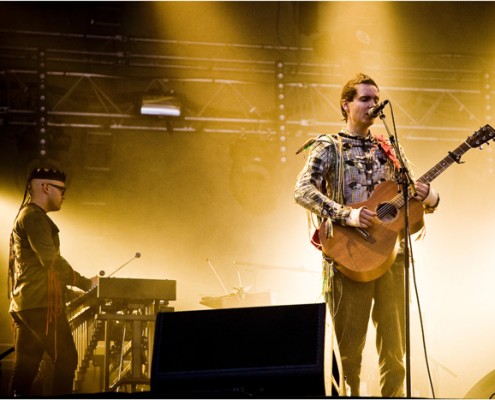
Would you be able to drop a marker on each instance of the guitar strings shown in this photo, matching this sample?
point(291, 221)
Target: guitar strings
point(390, 208)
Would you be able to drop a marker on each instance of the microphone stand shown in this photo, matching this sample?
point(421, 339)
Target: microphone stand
point(407, 184)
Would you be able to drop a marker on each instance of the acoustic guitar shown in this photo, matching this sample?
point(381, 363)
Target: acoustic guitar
point(366, 254)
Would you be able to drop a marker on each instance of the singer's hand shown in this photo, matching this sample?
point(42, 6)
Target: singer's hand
point(366, 217)
point(422, 190)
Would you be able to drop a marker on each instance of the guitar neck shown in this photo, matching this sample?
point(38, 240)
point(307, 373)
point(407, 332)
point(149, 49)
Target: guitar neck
point(453, 156)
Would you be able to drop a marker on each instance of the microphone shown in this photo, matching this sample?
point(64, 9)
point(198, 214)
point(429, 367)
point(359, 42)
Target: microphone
point(373, 112)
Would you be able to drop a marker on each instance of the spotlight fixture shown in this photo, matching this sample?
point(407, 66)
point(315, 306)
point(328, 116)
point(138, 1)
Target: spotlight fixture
point(169, 106)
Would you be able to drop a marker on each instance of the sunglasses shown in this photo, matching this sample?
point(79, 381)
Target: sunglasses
point(60, 188)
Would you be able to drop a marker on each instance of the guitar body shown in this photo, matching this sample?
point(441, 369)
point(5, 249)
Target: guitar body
point(366, 254)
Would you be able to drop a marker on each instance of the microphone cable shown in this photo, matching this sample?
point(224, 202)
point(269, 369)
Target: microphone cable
point(420, 314)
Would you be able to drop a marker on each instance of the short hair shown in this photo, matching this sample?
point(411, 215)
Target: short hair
point(350, 89)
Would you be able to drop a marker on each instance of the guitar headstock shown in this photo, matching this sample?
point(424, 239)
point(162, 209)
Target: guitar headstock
point(481, 136)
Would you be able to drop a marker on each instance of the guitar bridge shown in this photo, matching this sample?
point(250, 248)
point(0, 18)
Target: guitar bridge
point(366, 235)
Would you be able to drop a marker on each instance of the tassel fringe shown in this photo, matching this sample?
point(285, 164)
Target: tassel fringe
point(55, 302)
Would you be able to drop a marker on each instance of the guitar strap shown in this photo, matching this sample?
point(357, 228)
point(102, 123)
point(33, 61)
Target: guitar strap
point(336, 140)
point(338, 192)
point(335, 175)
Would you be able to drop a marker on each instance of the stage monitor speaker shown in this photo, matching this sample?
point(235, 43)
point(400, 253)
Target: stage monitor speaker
point(270, 351)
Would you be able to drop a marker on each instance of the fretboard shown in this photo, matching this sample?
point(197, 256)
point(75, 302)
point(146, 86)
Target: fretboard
point(453, 156)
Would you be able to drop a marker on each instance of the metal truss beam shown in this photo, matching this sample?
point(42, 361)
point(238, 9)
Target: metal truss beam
point(224, 88)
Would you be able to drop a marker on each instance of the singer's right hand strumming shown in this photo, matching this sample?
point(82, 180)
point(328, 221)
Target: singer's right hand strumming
point(366, 217)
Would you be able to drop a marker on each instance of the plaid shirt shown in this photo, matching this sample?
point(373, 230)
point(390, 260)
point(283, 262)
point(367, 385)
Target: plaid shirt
point(364, 164)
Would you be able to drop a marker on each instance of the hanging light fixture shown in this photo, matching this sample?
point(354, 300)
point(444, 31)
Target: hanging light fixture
point(164, 105)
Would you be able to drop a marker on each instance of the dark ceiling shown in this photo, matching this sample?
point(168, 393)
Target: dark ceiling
point(97, 59)
point(437, 26)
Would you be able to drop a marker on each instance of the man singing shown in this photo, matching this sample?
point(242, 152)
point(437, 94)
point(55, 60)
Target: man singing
point(343, 169)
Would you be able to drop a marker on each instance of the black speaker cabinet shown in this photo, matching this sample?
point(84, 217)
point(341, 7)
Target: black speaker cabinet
point(272, 351)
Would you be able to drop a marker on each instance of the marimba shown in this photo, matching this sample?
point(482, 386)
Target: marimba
point(120, 312)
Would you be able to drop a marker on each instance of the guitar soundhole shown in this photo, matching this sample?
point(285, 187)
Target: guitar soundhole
point(386, 212)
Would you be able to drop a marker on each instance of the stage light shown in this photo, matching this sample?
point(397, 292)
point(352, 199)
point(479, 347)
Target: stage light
point(169, 106)
point(280, 101)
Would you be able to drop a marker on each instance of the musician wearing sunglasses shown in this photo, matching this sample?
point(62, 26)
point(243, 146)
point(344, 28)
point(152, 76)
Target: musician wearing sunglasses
point(39, 277)
point(342, 176)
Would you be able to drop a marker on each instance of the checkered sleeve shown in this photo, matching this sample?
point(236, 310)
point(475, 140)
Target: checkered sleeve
point(311, 187)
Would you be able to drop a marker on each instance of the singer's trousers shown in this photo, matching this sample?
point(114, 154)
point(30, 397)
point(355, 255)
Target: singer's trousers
point(31, 339)
point(351, 304)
